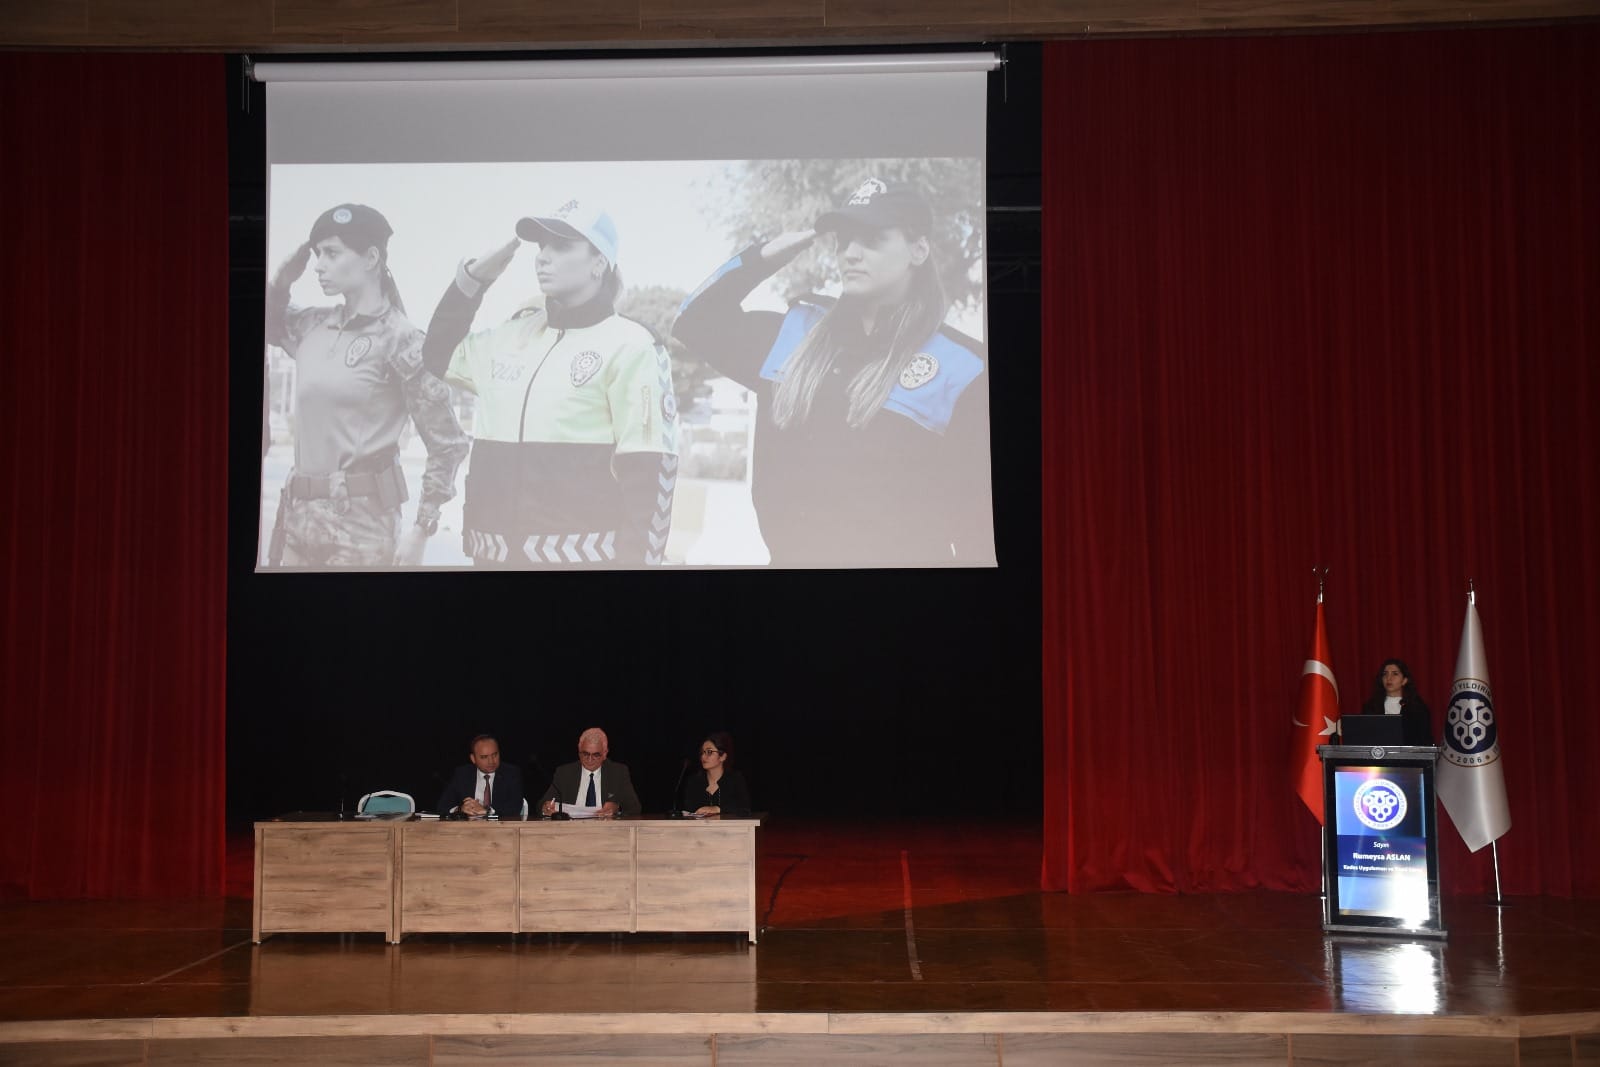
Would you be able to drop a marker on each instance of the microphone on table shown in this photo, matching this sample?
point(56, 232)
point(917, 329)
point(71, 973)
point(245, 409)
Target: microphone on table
point(676, 810)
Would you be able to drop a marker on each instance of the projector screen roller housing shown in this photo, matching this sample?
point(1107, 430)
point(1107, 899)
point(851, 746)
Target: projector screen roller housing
point(603, 322)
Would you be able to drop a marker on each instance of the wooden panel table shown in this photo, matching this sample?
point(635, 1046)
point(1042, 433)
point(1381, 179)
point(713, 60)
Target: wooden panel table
point(324, 877)
point(593, 875)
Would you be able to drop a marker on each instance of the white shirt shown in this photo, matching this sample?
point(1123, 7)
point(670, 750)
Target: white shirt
point(1391, 705)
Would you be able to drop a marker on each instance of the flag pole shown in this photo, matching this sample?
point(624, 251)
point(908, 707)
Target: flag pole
point(1322, 831)
point(1494, 850)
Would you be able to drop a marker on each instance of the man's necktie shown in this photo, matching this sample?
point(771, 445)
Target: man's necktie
point(486, 796)
point(590, 800)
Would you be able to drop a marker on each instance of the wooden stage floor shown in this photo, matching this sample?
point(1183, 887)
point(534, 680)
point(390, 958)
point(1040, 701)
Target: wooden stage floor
point(910, 943)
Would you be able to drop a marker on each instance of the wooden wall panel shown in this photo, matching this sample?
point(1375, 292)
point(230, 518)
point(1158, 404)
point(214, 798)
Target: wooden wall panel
point(548, 20)
point(809, 1050)
point(193, 23)
point(365, 18)
point(43, 20)
point(263, 26)
point(589, 1050)
point(276, 1051)
point(1349, 1050)
point(1545, 1052)
point(73, 1054)
point(712, 19)
point(866, 14)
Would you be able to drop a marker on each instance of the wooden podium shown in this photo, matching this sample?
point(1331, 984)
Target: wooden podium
point(1380, 858)
point(414, 876)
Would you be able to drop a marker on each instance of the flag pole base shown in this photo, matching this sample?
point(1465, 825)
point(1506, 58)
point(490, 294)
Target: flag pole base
point(1499, 900)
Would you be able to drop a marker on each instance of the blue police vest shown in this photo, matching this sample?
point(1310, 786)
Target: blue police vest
point(929, 404)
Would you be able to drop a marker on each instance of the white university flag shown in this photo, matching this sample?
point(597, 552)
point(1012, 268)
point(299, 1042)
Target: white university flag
point(1472, 784)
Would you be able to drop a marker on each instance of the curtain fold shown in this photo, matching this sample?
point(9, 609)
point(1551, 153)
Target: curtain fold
point(1314, 301)
point(113, 417)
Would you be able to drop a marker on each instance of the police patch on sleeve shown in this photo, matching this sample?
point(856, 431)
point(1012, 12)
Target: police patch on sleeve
point(920, 371)
point(357, 350)
point(585, 365)
point(669, 406)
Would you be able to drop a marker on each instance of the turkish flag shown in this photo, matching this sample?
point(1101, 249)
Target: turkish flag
point(1316, 719)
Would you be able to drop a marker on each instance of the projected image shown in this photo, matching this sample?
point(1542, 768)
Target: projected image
point(626, 364)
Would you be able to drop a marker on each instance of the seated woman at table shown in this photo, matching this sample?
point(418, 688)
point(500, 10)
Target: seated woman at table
point(717, 789)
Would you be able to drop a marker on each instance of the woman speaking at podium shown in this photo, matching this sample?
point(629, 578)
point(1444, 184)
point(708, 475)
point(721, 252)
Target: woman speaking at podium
point(1394, 693)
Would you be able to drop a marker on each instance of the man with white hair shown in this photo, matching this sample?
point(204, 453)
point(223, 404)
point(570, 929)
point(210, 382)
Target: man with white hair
point(593, 781)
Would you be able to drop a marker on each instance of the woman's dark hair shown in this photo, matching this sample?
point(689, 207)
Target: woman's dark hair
point(909, 325)
point(722, 741)
point(1407, 694)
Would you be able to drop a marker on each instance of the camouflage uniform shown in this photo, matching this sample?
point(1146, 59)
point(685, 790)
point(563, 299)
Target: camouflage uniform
point(359, 377)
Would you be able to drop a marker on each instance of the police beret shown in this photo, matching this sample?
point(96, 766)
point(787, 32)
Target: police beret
point(357, 225)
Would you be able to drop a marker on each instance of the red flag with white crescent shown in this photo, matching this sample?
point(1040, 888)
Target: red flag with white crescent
point(1316, 719)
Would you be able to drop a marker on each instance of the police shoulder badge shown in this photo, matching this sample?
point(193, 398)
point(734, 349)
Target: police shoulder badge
point(920, 371)
point(585, 365)
point(669, 405)
point(357, 351)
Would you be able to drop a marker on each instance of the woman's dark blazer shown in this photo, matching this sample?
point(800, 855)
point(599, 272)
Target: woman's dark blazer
point(732, 796)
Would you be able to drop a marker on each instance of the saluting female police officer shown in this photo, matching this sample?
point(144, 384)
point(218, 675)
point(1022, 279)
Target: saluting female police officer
point(871, 444)
point(574, 452)
point(358, 377)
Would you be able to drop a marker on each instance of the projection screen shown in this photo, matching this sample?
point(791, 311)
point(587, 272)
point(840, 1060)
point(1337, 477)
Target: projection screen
point(624, 314)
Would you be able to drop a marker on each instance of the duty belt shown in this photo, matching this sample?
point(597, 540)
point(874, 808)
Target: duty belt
point(388, 485)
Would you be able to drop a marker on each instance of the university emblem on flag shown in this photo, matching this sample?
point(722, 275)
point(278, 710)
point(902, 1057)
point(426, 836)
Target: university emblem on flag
point(920, 371)
point(1469, 729)
point(1380, 804)
point(584, 366)
point(358, 348)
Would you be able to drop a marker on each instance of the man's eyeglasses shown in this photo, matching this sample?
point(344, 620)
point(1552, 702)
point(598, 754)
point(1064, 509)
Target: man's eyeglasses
point(590, 755)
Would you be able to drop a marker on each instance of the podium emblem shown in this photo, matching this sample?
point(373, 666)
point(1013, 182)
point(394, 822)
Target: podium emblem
point(1380, 804)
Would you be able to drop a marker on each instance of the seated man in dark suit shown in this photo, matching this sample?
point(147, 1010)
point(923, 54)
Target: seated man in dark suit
point(484, 786)
point(593, 781)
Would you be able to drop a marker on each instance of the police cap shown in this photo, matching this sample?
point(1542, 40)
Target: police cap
point(357, 225)
point(574, 219)
point(878, 205)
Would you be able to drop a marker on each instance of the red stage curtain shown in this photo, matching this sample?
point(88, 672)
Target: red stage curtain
point(113, 414)
point(1315, 300)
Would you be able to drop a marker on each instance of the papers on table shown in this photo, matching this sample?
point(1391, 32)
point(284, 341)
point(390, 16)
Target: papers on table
point(580, 811)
